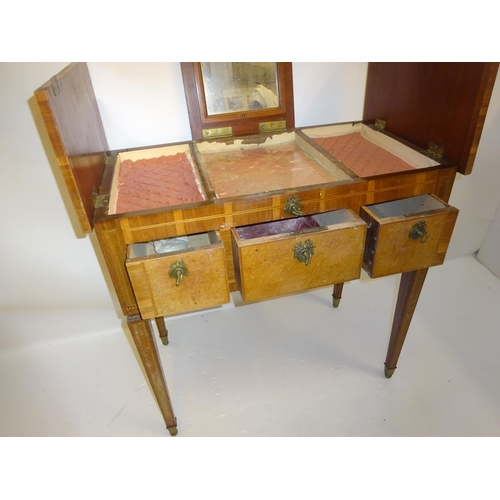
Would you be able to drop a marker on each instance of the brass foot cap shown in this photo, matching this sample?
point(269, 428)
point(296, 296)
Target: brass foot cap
point(389, 371)
point(336, 302)
point(173, 431)
point(164, 340)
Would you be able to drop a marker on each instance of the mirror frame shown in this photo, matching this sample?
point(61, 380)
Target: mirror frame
point(242, 122)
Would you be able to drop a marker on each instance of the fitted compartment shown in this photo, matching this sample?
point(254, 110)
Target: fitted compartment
point(238, 167)
point(271, 259)
point(365, 151)
point(407, 235)
point(154, 178)
point(189, 275)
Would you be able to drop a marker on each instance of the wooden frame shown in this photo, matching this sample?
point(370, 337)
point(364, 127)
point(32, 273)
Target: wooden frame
point(242, 123)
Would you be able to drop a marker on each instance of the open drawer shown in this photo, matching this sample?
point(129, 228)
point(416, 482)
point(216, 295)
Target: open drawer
point(293, 255)
point(178, 275)
point(407, 235)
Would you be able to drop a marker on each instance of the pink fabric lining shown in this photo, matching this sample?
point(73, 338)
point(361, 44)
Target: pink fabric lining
point(362, 156)
point(261, 169)
point(156, 182)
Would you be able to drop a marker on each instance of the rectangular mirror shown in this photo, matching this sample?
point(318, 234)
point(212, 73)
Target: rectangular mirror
point(239, 86)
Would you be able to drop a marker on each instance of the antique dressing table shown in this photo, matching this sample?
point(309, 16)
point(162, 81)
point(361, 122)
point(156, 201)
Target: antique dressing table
point(255, 205)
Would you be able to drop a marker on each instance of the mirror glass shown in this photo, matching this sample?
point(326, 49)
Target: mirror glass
point(239, 86)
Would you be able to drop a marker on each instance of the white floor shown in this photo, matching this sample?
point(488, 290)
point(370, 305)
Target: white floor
point(286, 367)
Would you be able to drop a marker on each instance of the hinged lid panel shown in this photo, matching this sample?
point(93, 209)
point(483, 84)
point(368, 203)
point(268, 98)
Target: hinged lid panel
point(440, 103)
point(235, 99)
point(71, 116)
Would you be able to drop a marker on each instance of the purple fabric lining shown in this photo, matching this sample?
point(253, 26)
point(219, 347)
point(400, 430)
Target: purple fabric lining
point(277, 227)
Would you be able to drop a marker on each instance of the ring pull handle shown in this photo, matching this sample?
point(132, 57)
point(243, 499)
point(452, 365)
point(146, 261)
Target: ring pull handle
point(178, 271)
point(304, 251)
point(292, 206)
point(419, 232)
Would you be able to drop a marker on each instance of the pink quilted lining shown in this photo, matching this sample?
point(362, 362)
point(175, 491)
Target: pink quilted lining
point(156, 182)
point(362, 156)
point(256, 170)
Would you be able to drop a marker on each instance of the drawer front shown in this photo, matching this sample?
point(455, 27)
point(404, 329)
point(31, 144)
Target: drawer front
point(271, 266)
point(180, 282)
point(407, 235)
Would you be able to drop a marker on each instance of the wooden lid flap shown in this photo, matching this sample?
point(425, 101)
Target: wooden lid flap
point(71, 115)
point(437, 106)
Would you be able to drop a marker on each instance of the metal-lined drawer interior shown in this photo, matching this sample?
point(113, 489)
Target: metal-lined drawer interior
point(292, 255)
point(406, 235)
point(178, 275)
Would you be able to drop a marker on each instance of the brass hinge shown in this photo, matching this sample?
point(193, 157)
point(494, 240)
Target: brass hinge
point(100, 200)
point(272, 126)
point(379, 124)
point(435, 150)
point(108, 160)
point(210, 133)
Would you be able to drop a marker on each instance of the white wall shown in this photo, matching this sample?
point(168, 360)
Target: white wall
point(477, 196)
point(489, 253)
point(45, 260)
point(141, 103)
point(42, 264)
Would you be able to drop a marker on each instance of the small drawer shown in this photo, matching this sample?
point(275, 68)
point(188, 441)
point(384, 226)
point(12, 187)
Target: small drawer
point(178, 275)
point(406, 235)
point(293, 255)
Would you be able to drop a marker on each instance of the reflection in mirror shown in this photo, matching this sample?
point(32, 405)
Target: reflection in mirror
point(239, 86)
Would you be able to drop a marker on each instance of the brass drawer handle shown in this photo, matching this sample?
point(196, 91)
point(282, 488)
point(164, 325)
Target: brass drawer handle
point(304, 251)
point(418, 232)
point(178, 271)
point(292, 206)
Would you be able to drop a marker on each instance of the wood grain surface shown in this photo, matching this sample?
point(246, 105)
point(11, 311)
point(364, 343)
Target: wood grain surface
point(71, 117)
point(265, 267)
point(390, 250)
point(440, 102)
point(156, 292)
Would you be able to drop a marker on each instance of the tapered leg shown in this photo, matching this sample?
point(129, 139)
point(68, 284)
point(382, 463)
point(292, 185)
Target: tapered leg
point(146, 347)
point(409, 291)
point(160, 323)
point(337, 294)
